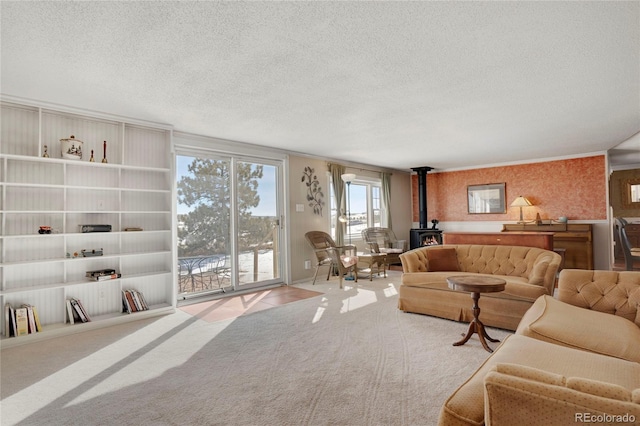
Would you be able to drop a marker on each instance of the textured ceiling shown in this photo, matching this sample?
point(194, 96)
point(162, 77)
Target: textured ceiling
point(393, 84)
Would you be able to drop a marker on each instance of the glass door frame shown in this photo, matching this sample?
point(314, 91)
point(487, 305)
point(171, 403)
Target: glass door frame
point(279, 166)
point(198, 146)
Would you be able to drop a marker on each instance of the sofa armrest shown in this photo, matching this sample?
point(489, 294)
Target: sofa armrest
point(516, 394)
point(612, 292)
point(414, 261)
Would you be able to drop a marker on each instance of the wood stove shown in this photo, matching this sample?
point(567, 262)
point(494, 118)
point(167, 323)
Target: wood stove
point(419, 237)
point(423, 236)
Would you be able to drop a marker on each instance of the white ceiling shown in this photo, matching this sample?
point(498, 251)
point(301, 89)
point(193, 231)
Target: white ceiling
point(393, 84)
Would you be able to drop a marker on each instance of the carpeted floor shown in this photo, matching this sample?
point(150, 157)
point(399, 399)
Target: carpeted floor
point(346, 357)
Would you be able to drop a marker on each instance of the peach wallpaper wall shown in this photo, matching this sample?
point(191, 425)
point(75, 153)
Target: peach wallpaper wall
point(574, 188)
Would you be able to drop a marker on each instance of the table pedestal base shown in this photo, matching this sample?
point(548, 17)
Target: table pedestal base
point(476, 326)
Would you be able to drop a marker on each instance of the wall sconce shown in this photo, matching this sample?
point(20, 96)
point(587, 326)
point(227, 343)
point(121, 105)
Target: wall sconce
point(521, 202)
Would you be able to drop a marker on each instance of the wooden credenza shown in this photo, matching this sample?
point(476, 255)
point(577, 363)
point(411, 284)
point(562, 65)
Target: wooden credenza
point(576, 240)
point(542, 240)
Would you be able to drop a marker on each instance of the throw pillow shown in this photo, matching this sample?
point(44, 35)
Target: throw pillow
point(442, 259)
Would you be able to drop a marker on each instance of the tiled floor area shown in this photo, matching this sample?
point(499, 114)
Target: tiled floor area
point(235, 306)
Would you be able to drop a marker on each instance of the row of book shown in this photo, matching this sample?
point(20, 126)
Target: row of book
point(21, 321)
point(76, 311)
point(133, 301)
point(103, 275)
point(24, 320)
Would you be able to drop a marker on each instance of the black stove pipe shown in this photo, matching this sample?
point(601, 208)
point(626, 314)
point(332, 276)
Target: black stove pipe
point(422, 194)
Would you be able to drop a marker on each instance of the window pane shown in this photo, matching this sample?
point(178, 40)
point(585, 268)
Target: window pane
point(257, 222)
point(203, 224)
point(357, 206)
point(366, 209)
point(375, 198)
point(333, 213)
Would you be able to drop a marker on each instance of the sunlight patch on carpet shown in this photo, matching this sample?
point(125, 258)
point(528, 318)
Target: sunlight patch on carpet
point(362, 298)
point(390, 291)
point(135, 359)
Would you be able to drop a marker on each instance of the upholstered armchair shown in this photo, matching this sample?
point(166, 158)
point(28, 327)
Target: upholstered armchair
point(383, 240)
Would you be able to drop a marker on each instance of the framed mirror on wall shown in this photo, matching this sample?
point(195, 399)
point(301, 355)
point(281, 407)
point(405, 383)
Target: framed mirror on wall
point(631, 192)
point(486, 198)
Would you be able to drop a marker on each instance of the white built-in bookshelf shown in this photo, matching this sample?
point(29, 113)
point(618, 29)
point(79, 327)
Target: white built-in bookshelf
point(132, 190)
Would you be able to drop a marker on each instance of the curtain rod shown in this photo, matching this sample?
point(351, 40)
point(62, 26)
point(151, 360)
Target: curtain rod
point(360, 168)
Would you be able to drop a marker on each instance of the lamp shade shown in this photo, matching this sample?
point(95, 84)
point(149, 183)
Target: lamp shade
point(521, 202)
point(348, 177)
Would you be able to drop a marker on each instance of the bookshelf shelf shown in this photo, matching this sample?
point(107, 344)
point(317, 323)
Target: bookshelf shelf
point(134, 189)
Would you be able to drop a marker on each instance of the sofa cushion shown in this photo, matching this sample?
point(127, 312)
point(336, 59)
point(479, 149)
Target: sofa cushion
point(557, 322)
point(390, 250)
point(516, 287)
point(539, 271)
point(530, 373)
point(443, 259)
point(466, 405)
point(598, 388)
point(516, 394)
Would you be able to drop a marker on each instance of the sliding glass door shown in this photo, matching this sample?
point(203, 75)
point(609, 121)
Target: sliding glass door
point(258, 223)
point(229, 227)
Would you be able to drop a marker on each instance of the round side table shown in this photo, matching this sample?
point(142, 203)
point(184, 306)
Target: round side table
point(476, 285)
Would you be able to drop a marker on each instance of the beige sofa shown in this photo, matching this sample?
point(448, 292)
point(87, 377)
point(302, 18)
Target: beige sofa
point(572, 360)
point(529, 273)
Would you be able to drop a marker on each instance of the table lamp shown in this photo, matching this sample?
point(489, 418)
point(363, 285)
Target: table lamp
point(521, 202)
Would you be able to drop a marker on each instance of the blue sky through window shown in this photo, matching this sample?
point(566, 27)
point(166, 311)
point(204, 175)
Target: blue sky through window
point(266, 188)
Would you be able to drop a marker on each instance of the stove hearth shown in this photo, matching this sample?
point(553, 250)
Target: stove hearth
point(419, 237)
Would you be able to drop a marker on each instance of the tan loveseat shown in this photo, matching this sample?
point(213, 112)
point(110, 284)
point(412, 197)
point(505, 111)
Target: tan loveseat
point(573, 360)
point(529, 273)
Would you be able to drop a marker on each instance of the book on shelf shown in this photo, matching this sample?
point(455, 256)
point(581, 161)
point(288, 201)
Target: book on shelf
point(7, 320)
point(70, 314)
point(99, 272)
point(14, 327)
point(37, 318)
point(105, 277)
point(20, 321)
point(79, 310)
point(133, 301)
point(31, 319)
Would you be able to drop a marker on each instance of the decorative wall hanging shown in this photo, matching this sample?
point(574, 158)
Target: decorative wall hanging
point(315, 196)
point(487, 198)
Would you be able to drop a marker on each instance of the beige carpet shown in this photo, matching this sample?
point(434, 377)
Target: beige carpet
point(347, 357)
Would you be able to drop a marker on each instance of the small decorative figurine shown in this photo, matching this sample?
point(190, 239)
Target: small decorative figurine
point(104, 152)
point(46, 154)
point(71, 148)
point(44, 230)
point(91, 160)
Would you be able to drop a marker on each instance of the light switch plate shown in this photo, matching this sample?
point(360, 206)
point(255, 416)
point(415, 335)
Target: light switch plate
point(299, 207)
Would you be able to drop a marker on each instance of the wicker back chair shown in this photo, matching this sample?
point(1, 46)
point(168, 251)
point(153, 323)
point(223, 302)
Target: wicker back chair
point(342, 258)
point(383, 240)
